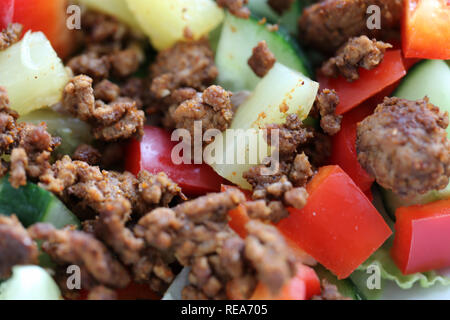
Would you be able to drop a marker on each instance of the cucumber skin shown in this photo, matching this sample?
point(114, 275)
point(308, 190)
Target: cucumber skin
point(231, 60)
point(33, 204)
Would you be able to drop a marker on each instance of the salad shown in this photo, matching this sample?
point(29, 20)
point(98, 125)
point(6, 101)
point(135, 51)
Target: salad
point(229, 149)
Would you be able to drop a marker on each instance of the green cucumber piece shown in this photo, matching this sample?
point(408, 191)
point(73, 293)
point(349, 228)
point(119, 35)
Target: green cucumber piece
point(33, 204)
point(72, 131)
point(428, 78)
point(238, 38)
point(345, 286)
point(30, 283)
point(288, 20)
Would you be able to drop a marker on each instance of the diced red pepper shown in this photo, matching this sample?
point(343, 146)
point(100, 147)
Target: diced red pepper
point(48, 16)
point(371, 82)
point(344, 147)
point(303, 286)
point(153, 153)
point(339, 226)
point(426, 29)
point(422, 237)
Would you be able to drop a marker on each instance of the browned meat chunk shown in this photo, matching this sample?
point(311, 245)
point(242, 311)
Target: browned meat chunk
point(102, 293)
point(404, 146)
point(86, 187)
point(280, 6)
point(329, 292)
point(88, 154)
point(10, 35)
point(68, 246)
point(187, 64)
point(236, 7)
point(326, 103)
point(328, 24)
point(16, 246)
point(19, 165)
point(120, 119)
point(301, 170)
point(212, 108)
point(358, 52)
point(262, 59)
point(91, 64)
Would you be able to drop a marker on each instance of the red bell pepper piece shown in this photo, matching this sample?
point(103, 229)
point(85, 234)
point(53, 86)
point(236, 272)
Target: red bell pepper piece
point(371, 82)
point(426, 29)
point(153, 153)
point(40, 15)
point(422, 237)
point(344, 147)
point(303, 286)
point(339, 226)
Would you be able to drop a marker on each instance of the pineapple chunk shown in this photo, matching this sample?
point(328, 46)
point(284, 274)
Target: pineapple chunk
point(281, 92)
point(116, 8)
point(32, 73)
point(167, 22)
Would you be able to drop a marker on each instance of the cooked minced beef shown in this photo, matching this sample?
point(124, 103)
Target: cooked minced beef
point(16, 246)
point(110, 49)
point(236, 7)
point(102, 293)
point(88, 154)
point(329, 292)
point(212, 108)
point(358, 52)
point(67, 247)
point(85, 187)
point(187, 64)
point(10, 35)
point(222, 264)
point(280, 6)
point(326, 103)
point(110, 120)
point(30, 145)
point(404, 146)
point(262, 59)
point(328, 24)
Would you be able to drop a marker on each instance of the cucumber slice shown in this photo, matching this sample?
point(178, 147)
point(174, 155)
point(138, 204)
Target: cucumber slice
point(30, 283)
point(238, 38)
point(288, 20)
point(72, 131)
point(32, 204)
point(281, 92)
point(345, 286)
point(428, 78)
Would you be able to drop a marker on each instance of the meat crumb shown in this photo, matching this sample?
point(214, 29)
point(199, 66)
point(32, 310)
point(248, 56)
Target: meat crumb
point(358, 52)
point(16, 246)
point(10, 35)
point(262, 59)
point(280, 6)
point(88, 154)
point(19, 164)
point(404, 145)
point(326, 103)
point(236, 7)
point(102, 293)
point(329, 292)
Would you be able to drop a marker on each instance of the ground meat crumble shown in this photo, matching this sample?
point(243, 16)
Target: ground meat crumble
point(236, 7)
point(326, 103)
point(262, 59)
point(404, 146)
point(16, 246)
point(358, 52)
point(280, 6)
point(10, 35)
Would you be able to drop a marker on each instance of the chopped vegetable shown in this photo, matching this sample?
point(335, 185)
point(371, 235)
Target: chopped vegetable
point(344, 286)
point(344, 147)
point(370, 82)
point(46, 16)
point(32, 73)
point(339, 226)
point(167, 22)
point(33, 204)
point(303, 286)
point(72, 131)
point(116, 8)
point(153, 153)
point(422, 237)
point(281, 92)
point(425, 29)
point(29, 283)
point(238, 38)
